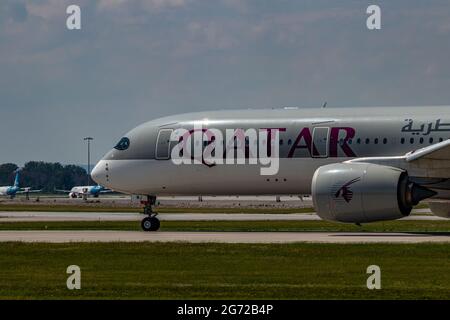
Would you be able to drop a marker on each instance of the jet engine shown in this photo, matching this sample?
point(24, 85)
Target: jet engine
point(364, 192)
point(73, 195)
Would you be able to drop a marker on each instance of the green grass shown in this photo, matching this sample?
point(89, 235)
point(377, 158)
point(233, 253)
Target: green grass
point(224, 271)
point(389, 226)
point(99, 207)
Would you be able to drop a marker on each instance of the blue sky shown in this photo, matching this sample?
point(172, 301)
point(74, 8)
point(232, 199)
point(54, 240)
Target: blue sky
point(133, 61)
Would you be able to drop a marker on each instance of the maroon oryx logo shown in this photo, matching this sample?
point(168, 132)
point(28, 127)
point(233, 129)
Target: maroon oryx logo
point(345, 191)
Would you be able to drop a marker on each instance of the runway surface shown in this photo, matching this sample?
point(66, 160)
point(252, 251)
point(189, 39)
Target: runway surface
point(119, 216)
point(218, 237)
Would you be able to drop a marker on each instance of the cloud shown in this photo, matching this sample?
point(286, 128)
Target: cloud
point(145, 5)
point(49, 9)
point(212, 35)
point(137, 60)
point(18, 12)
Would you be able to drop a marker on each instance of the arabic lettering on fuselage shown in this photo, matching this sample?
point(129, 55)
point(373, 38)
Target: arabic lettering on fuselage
point(425, 128)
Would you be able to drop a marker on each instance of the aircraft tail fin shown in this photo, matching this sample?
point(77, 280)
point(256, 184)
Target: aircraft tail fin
point(17, 179)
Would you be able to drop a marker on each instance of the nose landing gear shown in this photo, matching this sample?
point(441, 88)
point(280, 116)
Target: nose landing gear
point(151, 222)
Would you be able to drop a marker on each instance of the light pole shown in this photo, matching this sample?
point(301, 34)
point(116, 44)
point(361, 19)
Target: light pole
point(89, 139)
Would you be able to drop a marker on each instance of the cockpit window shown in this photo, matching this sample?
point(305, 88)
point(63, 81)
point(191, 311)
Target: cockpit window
point(123, 144)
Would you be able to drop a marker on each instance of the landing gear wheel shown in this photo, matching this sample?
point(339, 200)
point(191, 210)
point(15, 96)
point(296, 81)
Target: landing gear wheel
point(150, 224)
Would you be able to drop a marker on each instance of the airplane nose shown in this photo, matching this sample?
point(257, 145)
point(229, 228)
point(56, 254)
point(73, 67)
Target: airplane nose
point(98, 174)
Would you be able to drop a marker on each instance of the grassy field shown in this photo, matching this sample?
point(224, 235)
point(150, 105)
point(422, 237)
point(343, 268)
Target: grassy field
point(389, 226)
point(224, 271)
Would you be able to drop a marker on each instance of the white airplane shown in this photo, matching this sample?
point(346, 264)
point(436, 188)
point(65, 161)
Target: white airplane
point(85, 191)
point(359, 164)
point(12, 191)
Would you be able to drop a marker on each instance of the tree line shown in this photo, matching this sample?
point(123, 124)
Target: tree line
point(44, 175)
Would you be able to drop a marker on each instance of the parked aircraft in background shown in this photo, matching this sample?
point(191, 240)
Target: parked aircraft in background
point(85, 191)
point(359, 164)
point(12, 191)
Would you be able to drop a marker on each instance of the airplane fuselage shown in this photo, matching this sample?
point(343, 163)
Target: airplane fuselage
point(308, 139)
point(9, 191)
point(85, 190)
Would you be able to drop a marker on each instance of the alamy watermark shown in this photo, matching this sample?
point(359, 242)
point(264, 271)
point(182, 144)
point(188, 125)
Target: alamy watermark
point(210, 147)
point(374, 280)
point(74, 280)
point(373, 22)
point(73, 21)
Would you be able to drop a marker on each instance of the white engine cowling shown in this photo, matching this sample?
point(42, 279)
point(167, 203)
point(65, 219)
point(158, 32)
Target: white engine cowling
point(73, 195)
point(364, 192)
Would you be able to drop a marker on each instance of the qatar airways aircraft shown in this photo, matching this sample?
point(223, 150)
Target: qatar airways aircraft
point(359, 164)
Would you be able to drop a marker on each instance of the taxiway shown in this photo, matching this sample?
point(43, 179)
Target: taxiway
point(10, 216)
point(218, 237)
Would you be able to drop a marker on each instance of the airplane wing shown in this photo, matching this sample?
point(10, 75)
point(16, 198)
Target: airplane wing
point(63, 191)
point(436, 152)
point(106, 191)
point(27, 190)
point(428, 162)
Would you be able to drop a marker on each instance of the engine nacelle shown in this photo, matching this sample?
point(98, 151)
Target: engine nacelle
point(364, 192)
point(73, 195)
